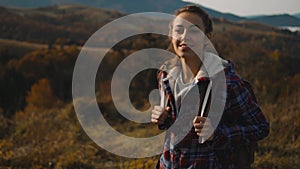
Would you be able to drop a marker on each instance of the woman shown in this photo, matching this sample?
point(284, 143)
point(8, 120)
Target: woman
point(242, 121)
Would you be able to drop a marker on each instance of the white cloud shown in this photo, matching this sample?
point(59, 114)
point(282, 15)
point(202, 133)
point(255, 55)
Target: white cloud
point(251, 7)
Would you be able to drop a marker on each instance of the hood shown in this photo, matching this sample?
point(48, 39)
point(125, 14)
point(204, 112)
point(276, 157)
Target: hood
point(212, 65)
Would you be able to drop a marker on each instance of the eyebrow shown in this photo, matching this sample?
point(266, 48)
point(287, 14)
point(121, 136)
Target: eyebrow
point(195, 26)
point(190, 26)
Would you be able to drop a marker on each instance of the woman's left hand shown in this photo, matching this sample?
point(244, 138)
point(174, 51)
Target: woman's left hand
point(203, 127)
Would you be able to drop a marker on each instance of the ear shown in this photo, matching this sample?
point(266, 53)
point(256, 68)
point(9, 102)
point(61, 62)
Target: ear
point(209, 35)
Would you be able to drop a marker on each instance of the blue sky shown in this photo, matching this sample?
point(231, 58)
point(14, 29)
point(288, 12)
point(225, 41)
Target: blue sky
point(252, 7)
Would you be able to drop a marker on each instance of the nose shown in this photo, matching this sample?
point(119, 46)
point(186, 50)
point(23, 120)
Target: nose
point(185, 36)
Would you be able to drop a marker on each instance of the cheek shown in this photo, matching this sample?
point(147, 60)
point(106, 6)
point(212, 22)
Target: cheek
point(174, 43)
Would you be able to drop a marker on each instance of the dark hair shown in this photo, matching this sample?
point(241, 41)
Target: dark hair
point(207, 21)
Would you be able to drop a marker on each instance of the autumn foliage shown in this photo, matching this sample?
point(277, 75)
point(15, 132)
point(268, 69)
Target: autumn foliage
point(38, 125)
point(41, 95)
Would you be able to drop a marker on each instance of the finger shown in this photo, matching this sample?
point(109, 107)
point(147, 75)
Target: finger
point(198, 125)
point(158, 108)
point(199, 119)
point(154, 121)
point(155, 116)
point(198, 128)
point(157, 112)
point(158, 117)
point(196, 119)
point(154, 113)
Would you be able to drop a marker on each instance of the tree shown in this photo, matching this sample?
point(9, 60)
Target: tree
point(40, 95)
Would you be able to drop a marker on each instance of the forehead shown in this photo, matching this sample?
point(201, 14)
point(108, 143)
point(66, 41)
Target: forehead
point(189, 19)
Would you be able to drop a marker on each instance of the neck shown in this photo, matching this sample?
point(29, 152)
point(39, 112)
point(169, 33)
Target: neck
point(190, 68)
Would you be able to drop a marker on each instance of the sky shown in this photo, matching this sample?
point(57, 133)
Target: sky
point(252, 7)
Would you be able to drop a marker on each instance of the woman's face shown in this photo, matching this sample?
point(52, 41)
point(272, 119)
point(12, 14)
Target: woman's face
point(187, 34)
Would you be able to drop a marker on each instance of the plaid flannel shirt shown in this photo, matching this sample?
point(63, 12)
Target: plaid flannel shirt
point(242, 122)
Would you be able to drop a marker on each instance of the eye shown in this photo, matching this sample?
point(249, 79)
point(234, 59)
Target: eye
point(178, 30)
point(194, 30)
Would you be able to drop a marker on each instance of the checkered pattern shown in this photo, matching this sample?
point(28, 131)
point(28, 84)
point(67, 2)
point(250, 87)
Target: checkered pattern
point(242, 123)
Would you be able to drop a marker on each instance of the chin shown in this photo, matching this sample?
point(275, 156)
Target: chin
point(183, 54)
point(180, 55)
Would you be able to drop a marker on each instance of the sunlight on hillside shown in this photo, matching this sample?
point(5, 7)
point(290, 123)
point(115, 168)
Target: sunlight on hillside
point(39, 127)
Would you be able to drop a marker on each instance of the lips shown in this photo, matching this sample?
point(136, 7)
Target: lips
point(183, 46)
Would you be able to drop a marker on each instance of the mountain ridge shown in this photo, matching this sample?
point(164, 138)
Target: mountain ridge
point(277, 20)
point(166, 6)
point(297, 15)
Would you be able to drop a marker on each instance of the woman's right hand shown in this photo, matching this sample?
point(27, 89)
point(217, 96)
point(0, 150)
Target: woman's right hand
point(159, 114)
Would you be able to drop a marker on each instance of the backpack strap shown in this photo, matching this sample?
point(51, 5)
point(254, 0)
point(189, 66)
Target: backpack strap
point(169, 100)
point(170, 96)
point(204, 104)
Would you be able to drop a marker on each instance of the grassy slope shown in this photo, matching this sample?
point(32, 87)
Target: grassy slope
point(54, 139)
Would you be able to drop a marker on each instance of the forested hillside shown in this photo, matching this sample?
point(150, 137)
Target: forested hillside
point(72, 24)
point(38, 50)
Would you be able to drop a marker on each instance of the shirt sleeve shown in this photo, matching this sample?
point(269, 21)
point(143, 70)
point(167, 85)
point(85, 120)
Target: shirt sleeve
point(250, 124)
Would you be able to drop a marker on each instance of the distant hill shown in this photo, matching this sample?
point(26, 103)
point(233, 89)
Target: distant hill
point(129, 6)
point(254, 16)
point(76, 23)
point(47, 24)
point(278, 20)
point(297, 15)
point(132, 6)
point(167, 6)
point(227, 16)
